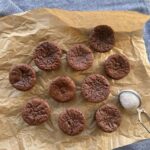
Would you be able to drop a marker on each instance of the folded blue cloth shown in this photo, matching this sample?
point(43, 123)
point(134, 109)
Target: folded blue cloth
point(8, 7)
point(141, 145)
point(14, 6)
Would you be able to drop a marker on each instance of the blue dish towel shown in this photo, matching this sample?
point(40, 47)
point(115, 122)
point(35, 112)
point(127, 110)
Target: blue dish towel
point(141, 145)
point(14, 6)
point(8, 7)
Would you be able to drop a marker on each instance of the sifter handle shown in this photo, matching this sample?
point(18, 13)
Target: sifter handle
point(140, 111)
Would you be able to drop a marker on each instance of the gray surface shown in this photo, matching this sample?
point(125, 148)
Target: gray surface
point(141, 145)
point(13, 6)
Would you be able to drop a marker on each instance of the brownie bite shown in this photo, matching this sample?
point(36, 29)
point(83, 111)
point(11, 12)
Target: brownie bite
point(117, 66)
point(71, 121)
point(47, 56)
point(36, 111)
point(80, 57)
point(102, 38)
point(62, 89)
point(95, 88)
point(22, 77)
point(108, 118)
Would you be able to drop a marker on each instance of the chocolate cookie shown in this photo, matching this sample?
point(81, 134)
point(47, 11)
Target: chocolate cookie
point(47, 56)
point(95, 88)
point(36, 111)
point(102, 38)
point(108, 117)
point(22, 77)
point(117, 66)
point(62, 89)
point(71, 122)
point(80, 57)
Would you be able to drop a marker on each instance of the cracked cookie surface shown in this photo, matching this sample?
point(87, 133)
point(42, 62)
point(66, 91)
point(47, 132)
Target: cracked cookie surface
point(62, 89)
point(80, 57)
point(71, 121)
point(108, 117)
point(95, 88)
point(22, 77)
point(47, 56)
point(117, 66)
point(36, 111)
point(102, 38)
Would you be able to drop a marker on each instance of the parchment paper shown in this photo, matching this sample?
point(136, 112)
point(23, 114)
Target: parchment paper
point(20, 34)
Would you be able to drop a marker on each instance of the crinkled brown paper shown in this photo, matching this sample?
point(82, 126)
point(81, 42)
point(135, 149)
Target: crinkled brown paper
point(20, 34)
